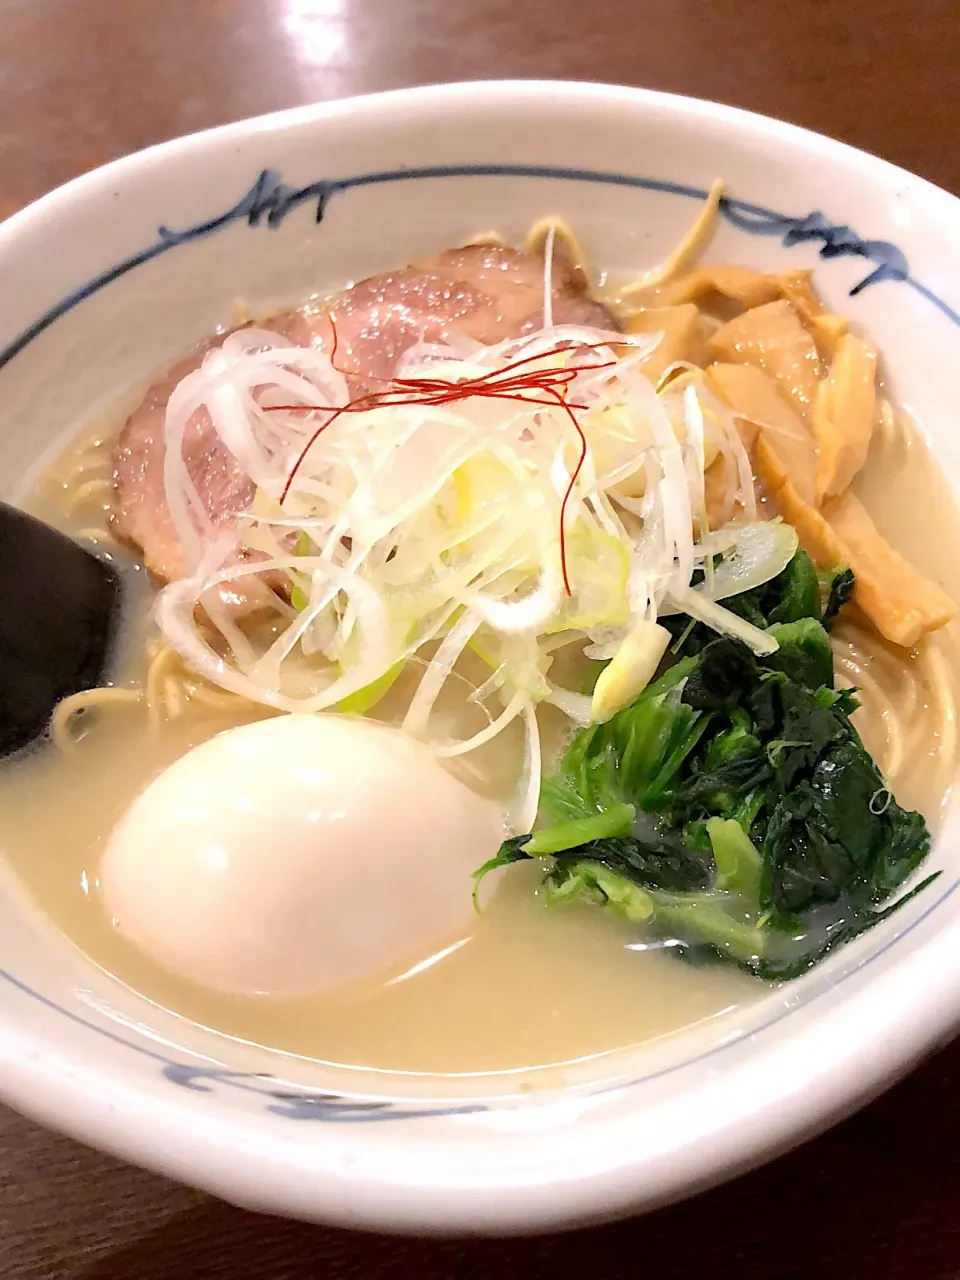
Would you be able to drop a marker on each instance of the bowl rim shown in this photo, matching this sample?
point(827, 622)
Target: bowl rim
point(521, 89)
point(259, 1169)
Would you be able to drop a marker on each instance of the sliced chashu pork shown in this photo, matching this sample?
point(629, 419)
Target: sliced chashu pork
point(484, 292)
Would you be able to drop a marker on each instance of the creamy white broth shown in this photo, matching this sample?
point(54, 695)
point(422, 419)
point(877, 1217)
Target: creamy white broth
point(910, 501)
point(524, 987)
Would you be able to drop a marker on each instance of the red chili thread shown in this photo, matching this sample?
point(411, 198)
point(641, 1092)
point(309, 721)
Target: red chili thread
point(540, 355)
point(554, 383)
point(336, 344)
point(561, 400)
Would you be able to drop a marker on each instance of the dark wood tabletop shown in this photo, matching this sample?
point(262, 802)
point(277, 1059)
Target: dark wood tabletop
point(84, 81)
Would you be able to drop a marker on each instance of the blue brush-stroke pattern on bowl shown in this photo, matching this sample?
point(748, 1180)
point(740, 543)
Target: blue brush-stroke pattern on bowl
point(269, 201)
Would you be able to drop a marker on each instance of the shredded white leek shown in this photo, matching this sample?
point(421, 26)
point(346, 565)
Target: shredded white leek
point(727, 623)
point(415, 531)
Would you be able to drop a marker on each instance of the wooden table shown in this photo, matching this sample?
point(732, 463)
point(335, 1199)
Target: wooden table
point(83, 81)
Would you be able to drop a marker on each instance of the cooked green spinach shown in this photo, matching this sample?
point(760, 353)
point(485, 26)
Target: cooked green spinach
point(733, 807)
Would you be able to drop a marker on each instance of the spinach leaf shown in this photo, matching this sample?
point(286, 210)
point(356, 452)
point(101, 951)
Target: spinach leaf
point(612, 823)
point(839, 593)
point(718, 680)
point(737, 858)
point(787, 958)
point(655, 861)
point(804, 652)
point(631, 759)
point(708, 920)
point(733, 765)
point(793, 594)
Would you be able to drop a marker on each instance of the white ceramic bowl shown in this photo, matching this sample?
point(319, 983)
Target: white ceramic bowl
point(121, 270)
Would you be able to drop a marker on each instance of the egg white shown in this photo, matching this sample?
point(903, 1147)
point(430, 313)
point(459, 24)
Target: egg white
point(296, 855)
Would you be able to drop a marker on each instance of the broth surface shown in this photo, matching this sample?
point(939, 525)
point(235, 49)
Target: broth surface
point(525, 987)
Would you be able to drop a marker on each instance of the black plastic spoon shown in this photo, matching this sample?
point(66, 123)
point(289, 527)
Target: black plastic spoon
point(59, 610)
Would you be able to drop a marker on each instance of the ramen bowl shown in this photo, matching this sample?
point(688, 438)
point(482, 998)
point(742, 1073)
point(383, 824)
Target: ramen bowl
point(120, 271)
